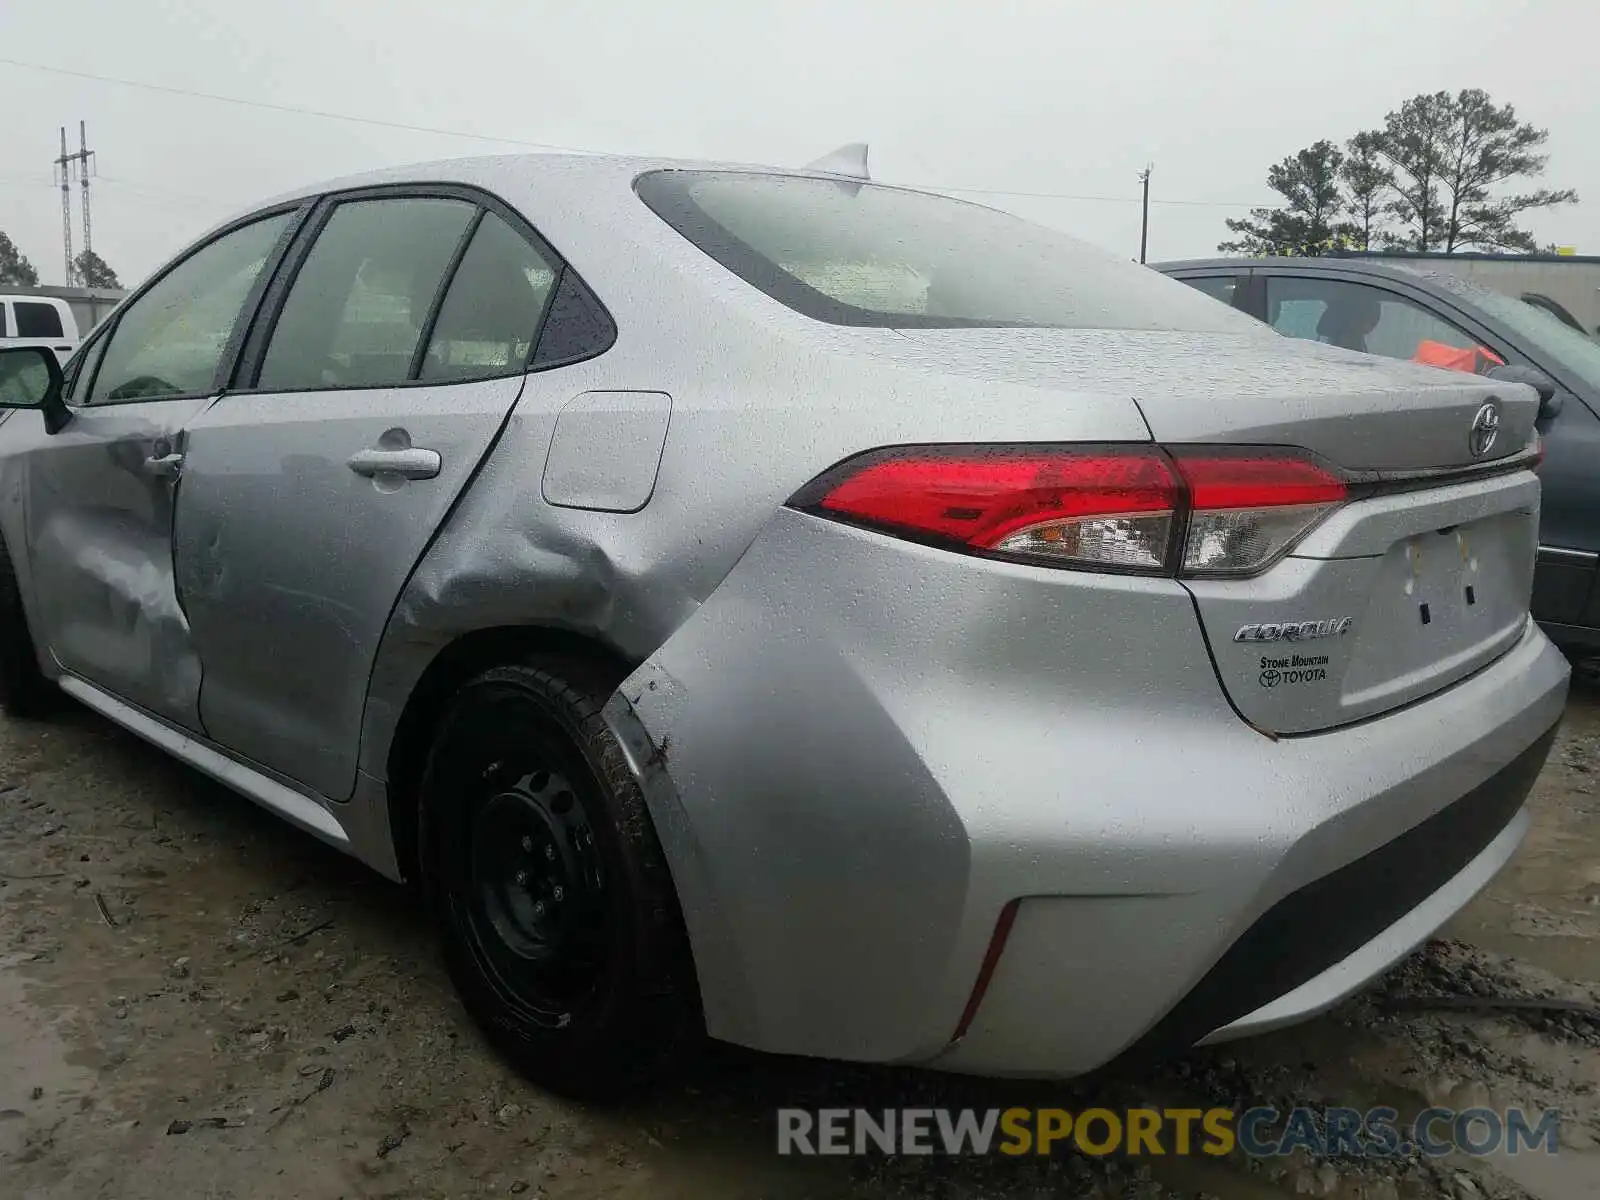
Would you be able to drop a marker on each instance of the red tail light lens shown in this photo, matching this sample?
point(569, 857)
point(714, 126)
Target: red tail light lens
point(1139, 509)
point(1249, 509)
point(1104, 507)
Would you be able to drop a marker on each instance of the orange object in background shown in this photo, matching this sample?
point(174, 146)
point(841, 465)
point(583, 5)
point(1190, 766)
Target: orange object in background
point(1474, 360)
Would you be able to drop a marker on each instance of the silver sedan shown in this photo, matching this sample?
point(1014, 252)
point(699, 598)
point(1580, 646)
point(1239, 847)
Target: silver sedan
point(839, 619)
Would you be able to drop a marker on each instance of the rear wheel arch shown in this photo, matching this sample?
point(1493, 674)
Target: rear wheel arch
point(461, 660)
point(532, 841)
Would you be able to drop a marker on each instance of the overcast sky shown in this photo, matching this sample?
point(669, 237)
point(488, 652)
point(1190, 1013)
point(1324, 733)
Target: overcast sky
point(1044, 96)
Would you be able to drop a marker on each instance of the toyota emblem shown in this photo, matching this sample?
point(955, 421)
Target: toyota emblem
point(1485, 429)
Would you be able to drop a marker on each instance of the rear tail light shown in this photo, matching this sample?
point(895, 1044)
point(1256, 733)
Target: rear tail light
point(1139, 509)
point(1247, 509)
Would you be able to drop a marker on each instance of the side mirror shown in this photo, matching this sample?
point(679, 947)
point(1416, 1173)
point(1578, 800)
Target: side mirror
point(30, 377)
point(1549, 401)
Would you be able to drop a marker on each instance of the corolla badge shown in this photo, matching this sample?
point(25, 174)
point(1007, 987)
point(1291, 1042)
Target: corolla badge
point(1485, 429)
point(1294, 631)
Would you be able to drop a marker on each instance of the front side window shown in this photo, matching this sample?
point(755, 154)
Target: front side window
point(491, 313)
point(356, 311)
point(35, 320)
point(1554, 308)
point(81, 370)
point(1372, 320)
point(171, 340)
point(1550, 338)
point(853, 253)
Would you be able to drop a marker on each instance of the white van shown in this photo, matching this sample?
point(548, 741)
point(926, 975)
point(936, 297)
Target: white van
point(38, 321)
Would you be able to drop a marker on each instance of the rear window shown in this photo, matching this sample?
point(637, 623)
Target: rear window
point(35, 320)
point(853, 253)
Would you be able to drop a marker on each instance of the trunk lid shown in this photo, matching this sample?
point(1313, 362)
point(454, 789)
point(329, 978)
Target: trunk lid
point(1362, 413)
point(1394, 597)
point(1421, 578)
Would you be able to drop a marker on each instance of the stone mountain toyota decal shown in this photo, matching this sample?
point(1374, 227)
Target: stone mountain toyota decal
point(1293, 668)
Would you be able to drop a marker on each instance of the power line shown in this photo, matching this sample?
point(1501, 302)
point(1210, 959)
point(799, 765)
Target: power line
point(440, 131)
point(160, 193)
point(969, 191)
point(281, 108)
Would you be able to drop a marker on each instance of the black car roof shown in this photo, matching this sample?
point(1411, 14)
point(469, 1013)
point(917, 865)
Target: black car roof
point(1363, 265)
point(1416, 273)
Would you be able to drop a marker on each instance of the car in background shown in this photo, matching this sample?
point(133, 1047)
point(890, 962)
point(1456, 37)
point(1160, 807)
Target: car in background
point(1565, 285)
point(1410, 311)
point(38, 321)
point(840, 619)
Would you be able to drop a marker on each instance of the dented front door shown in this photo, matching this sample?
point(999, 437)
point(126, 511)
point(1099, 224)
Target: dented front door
point(101, 492)
point(99, 498)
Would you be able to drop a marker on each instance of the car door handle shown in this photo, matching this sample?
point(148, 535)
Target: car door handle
point(410, 463)
point(165, 466)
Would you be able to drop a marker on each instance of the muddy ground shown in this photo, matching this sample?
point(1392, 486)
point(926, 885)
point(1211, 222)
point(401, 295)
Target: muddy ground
point(198, 1001)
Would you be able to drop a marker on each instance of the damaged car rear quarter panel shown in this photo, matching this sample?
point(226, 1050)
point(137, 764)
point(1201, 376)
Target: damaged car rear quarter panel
point(798, 833)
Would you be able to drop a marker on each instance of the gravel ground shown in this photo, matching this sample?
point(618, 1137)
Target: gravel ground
point(196, 1000)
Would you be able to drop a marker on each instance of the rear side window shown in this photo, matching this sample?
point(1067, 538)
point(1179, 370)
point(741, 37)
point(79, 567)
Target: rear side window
point(1373, 320)
point(5, 321)
point(355, 314)
point(576, 327)
point(850, 253)
point(1218, 287)
point(491, 312)
point(35, 320)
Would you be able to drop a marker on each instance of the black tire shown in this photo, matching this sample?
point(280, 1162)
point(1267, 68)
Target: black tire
point(24, 691)
point(558, 918)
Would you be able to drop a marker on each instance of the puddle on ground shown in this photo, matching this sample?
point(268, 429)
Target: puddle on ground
point(39, 1085)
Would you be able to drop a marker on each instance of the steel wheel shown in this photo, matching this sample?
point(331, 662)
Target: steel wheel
point(555, 907)
point(537, 903)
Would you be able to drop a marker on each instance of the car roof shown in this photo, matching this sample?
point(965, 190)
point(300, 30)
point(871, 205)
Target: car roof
point(577, 200)
point(585, 207)
point(1455, 288)
point(569, 171)
point(1361, 266)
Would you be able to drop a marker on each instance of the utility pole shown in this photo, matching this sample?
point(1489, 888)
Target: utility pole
point(64, 164)
point(84, 155)
point(1144, 215)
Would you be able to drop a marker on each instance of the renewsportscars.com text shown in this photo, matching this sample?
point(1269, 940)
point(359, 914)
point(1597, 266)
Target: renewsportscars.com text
point(1258, 1132)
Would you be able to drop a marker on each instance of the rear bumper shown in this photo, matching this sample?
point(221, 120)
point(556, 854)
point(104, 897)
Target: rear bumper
point(1280, 953)
point(851, 784)
point(1326, 939)
point(1389, 946)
